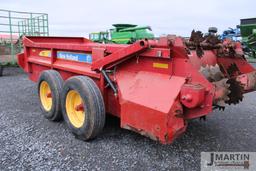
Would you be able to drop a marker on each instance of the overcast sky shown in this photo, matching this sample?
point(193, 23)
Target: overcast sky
point(79, 17)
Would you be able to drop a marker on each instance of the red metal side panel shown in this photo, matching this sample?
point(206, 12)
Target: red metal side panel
point(242, 64)
point(154, 90)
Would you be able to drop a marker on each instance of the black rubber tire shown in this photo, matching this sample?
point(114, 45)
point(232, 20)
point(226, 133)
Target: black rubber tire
point(93, 104)
point(55, 81)
point(1, 70)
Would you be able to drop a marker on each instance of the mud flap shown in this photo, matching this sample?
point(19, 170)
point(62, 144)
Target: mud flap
point(149, 104)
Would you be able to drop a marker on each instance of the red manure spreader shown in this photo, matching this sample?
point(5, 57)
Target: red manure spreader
point(154, 86)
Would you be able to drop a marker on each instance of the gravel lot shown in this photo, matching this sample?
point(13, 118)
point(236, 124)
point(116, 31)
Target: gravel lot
point(28, 141)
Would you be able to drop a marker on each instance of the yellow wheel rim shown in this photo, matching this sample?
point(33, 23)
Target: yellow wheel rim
point(75, 108)
point(45, 96)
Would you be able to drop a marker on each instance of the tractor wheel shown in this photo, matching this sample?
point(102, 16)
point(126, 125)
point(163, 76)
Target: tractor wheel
point(50, 85)
point(1, 70)
point(83, 107)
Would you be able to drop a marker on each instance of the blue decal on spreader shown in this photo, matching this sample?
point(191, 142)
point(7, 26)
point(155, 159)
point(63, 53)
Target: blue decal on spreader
point(81, 57)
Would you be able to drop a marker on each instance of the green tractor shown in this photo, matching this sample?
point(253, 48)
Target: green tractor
point(122, 34)
point(100, 37)
point(248, 33)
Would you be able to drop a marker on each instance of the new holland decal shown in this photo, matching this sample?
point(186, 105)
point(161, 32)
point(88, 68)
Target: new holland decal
point(73, 56)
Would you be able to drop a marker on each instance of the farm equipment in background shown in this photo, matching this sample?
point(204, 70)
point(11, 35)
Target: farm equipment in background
point(7, 47)
point(122, 34)
point(252, 42)
point(233, 34)
point(14, 25)
point(248, 33)
point(99, 37)
point(154, 86)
